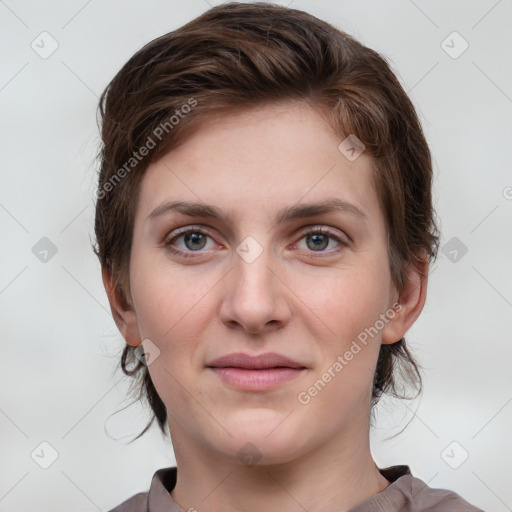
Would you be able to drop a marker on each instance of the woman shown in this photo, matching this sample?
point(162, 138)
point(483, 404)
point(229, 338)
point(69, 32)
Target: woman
point(265, 227)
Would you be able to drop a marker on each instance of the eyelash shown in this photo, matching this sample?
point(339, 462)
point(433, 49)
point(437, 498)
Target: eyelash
point(190, 254)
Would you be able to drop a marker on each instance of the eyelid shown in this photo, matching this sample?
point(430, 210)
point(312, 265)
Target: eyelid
point(325, 230)
point(184, 229)
point(344, 240)
point(178, 232)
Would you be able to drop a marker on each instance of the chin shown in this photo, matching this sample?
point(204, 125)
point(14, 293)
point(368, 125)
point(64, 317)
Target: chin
point(262, 437)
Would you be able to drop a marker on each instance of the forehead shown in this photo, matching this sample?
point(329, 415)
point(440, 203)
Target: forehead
point(257, 161)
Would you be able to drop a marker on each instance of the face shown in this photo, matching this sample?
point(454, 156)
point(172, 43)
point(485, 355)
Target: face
point(283, 256)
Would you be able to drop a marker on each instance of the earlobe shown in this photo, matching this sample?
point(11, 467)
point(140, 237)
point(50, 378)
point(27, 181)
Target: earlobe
point(122, 312)
point(410, 302)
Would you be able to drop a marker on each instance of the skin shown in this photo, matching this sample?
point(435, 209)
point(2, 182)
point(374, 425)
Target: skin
point(305, 302)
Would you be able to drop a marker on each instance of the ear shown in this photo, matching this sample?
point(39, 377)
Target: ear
point(122, 312)
point(409, 303)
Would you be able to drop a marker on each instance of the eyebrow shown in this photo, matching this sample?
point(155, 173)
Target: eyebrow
point(297, 211)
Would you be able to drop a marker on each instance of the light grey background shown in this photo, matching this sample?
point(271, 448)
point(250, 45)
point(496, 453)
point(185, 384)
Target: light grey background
point(59, 343)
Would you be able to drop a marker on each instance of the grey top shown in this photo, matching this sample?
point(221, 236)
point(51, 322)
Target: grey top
point(405, 493)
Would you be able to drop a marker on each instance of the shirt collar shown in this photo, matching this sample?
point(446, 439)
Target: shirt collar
point(164, 481)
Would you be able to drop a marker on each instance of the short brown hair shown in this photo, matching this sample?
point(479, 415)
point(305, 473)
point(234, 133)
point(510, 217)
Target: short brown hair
point(236, 56)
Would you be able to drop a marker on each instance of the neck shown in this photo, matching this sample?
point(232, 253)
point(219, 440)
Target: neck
point(333, 477)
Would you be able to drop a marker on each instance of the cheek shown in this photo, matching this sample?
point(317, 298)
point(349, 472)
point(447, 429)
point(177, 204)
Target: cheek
point(173, 310)
point(350, 305)
point(170, 300)
point(348, 300)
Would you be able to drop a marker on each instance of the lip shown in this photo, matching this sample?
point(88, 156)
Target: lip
point(255, 373)
point(248, 362)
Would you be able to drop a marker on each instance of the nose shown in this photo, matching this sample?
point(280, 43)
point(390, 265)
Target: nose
point(255, 298)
